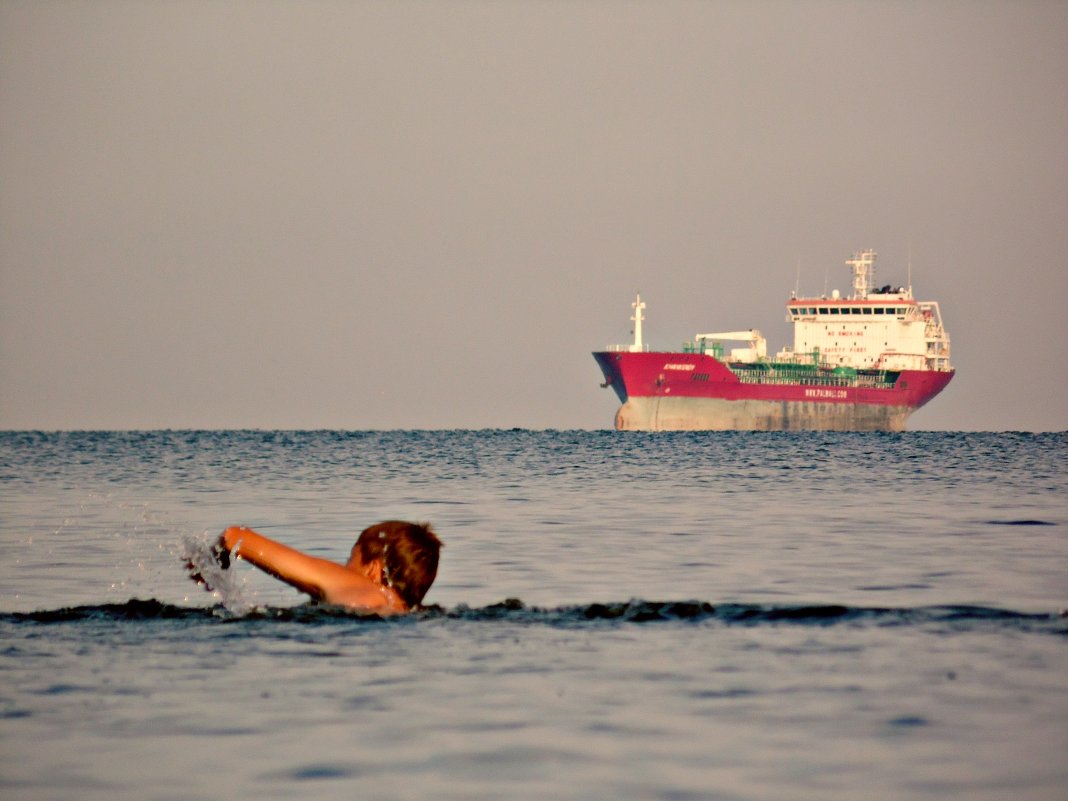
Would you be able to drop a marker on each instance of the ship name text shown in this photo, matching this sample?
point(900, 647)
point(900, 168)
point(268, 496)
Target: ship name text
point(673, 366)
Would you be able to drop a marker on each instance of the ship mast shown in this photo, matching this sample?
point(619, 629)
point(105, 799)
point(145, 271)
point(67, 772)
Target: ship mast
point(863, 264)
point(637, 347)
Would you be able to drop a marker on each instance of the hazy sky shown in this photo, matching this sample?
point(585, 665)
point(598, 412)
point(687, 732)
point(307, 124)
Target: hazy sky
point(428, 214)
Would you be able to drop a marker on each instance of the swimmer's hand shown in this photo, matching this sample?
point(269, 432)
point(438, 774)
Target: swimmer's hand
point(200, 559)
point(220, 553)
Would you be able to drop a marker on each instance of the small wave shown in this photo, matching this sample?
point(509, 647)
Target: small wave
point(134, 609)
point(642, 611)
point(1022, 522)
point(513, 610)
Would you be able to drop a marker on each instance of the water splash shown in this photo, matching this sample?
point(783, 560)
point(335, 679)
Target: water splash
point(200, 556)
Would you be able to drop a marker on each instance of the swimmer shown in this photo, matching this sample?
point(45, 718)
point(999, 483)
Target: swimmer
point(391, 567)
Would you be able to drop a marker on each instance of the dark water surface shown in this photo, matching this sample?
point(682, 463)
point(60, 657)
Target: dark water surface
point(671, 616)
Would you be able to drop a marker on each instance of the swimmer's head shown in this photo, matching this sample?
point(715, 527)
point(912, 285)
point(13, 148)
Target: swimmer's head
point(408, 553)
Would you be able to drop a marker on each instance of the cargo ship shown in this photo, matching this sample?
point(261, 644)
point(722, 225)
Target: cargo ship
point(862, 363)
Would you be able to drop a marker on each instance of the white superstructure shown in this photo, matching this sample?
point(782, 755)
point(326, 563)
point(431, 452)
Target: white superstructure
point(877, 328)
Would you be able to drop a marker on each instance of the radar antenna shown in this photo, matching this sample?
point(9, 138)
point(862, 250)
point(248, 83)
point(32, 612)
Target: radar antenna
point(863, 264)
point(637, 347)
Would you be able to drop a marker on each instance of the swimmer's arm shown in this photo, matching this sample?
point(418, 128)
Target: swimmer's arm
point(322, 579)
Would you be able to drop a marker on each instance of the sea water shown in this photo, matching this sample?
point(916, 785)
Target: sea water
point(617, 616)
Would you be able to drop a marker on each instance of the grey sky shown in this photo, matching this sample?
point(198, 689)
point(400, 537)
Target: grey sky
point(426, 215)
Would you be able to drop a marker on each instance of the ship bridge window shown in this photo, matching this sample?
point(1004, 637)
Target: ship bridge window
point(867, 310)
point(855, 310)
point(880, 310)
point(834, 310)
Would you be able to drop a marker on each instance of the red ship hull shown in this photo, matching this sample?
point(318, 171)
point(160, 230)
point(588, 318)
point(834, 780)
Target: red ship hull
point(679, 391)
